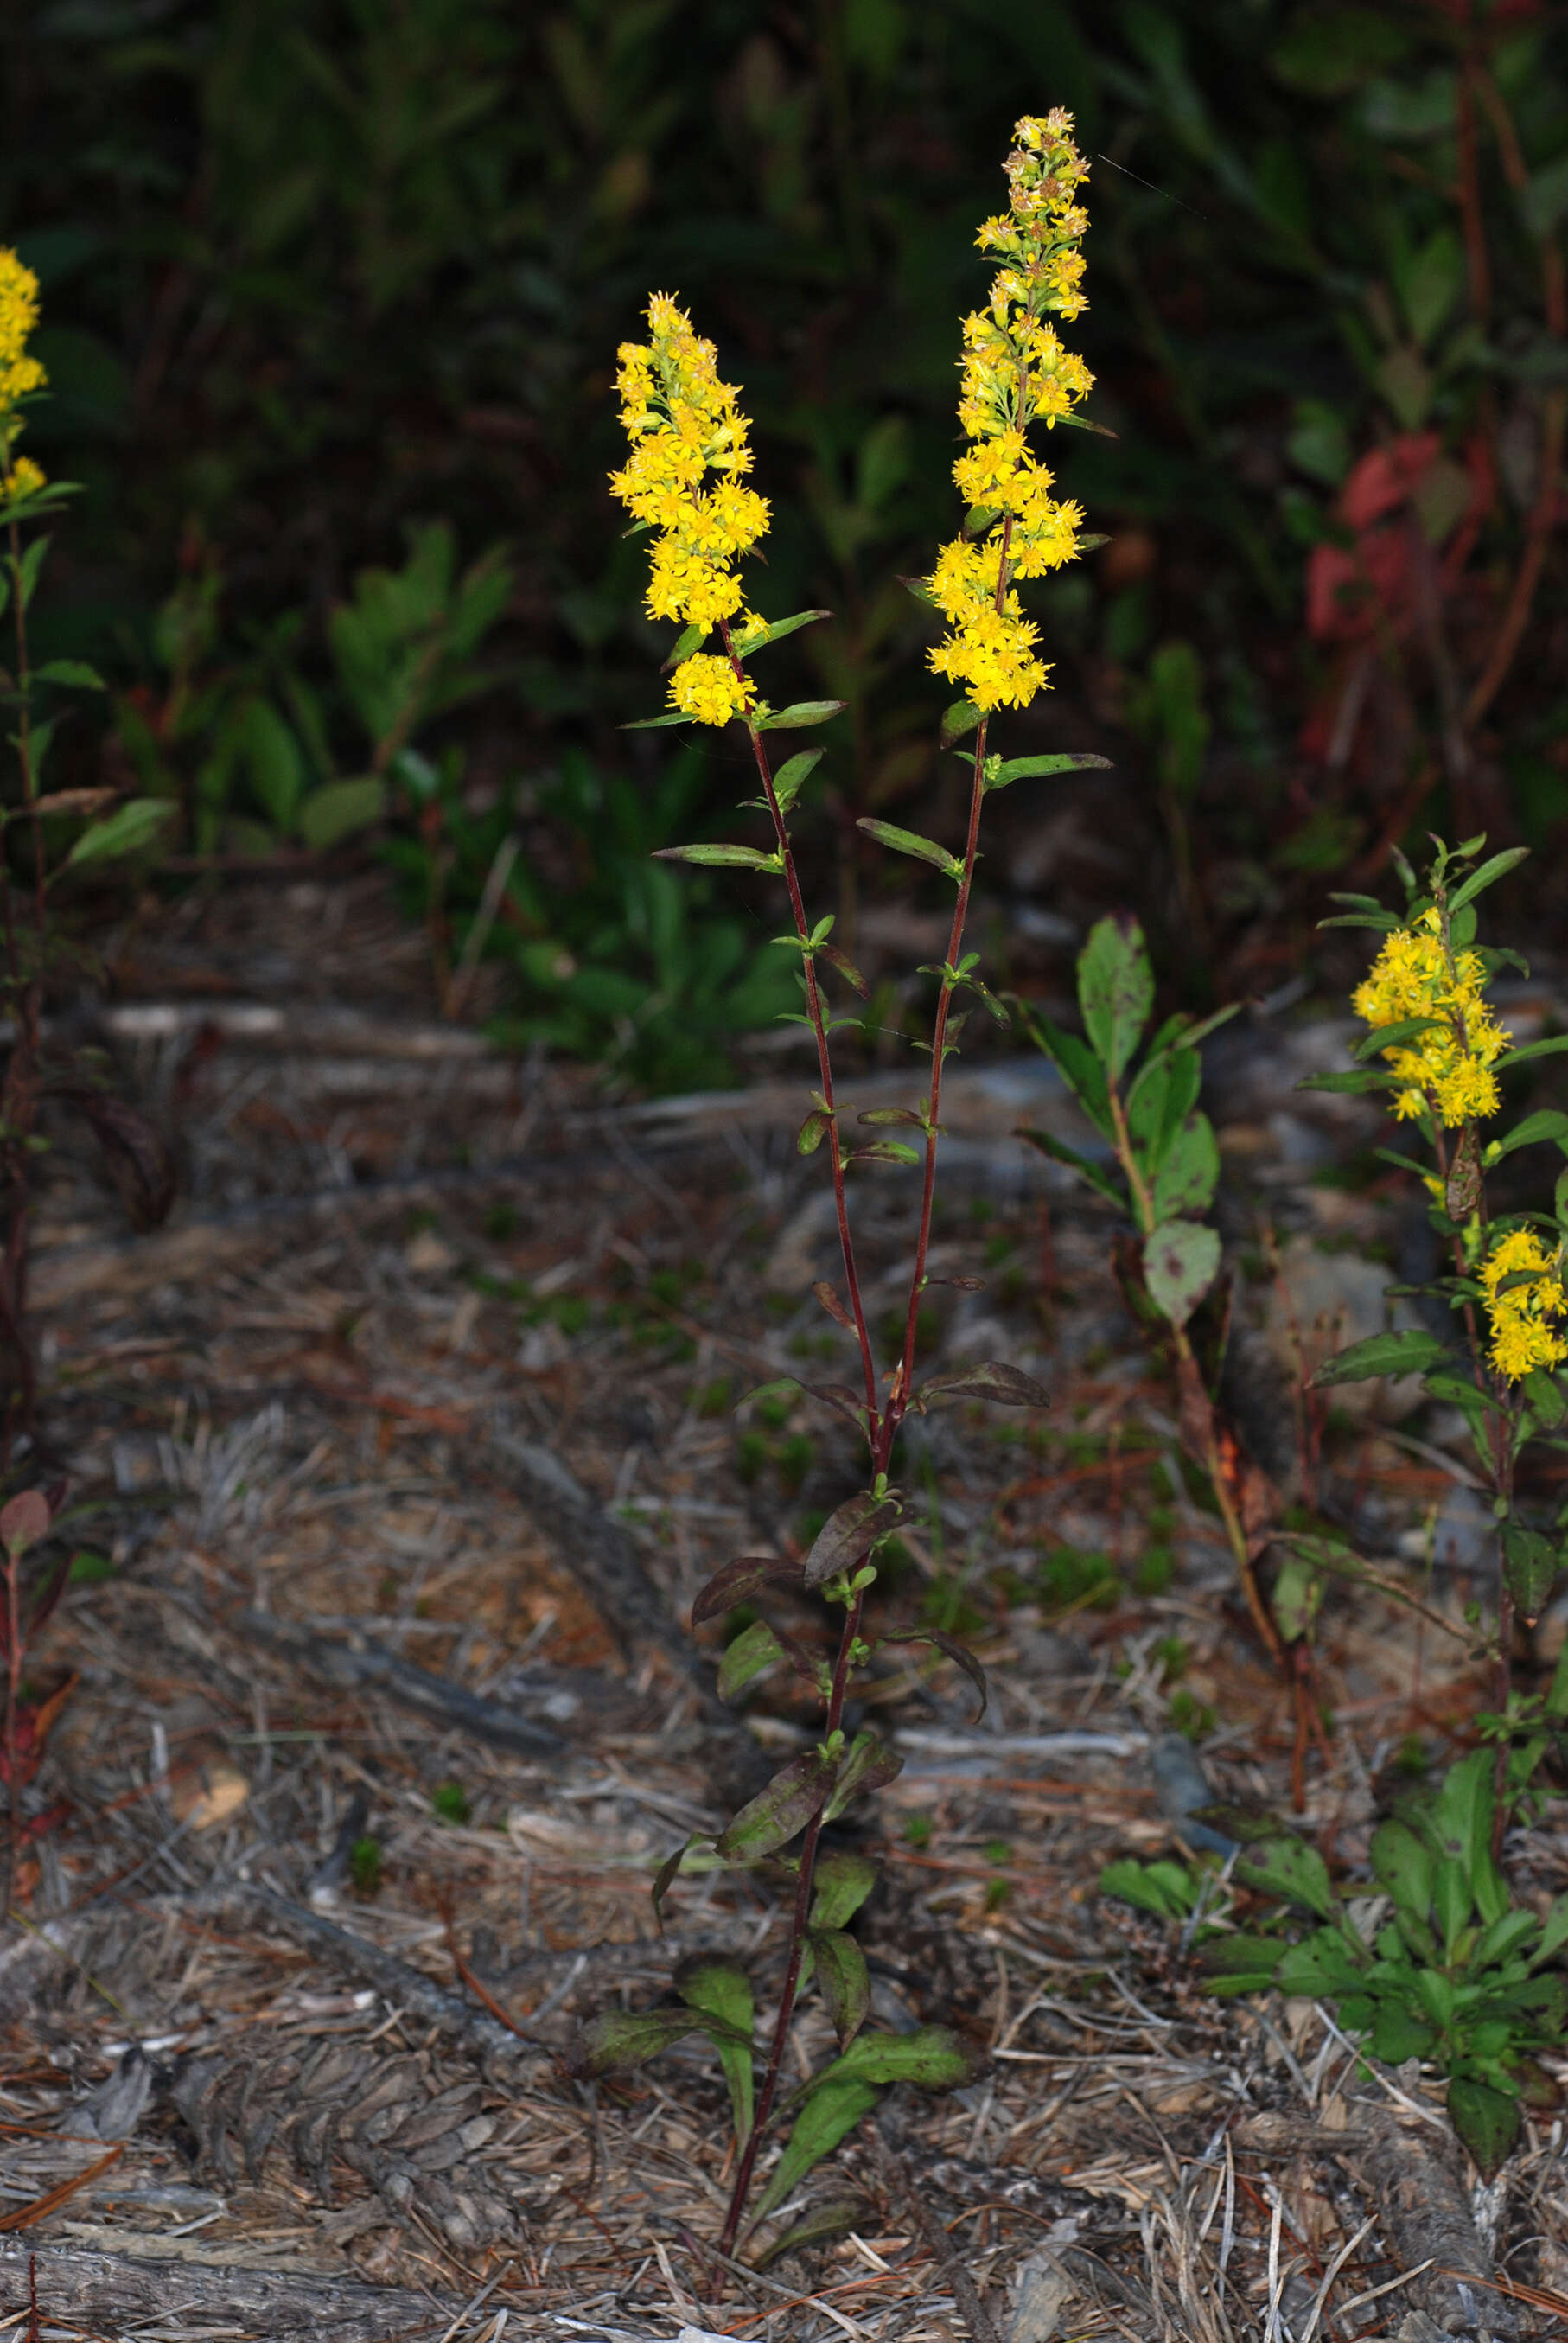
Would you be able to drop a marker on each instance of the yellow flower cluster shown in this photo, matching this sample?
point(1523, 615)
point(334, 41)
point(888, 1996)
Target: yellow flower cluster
point(684, 424)
point(710, 689)
point(1449, 1066)
point(1523, 1331)
point(1016, 372)
point(19, 374)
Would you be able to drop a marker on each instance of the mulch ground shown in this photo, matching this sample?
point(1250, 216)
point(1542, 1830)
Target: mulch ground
point(372, 1733)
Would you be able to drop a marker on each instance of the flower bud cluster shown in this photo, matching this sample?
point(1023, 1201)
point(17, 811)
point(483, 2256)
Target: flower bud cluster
point(1015, 372)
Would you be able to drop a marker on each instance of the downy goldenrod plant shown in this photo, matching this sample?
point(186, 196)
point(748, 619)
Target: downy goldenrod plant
point(41, 836)
point(1436, 1046)
point(685, 481)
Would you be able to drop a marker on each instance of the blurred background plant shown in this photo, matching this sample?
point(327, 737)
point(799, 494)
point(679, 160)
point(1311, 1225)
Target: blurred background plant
point(316, 279)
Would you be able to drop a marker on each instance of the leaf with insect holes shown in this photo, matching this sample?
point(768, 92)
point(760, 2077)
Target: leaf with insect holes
point(1530, 1563)
point(1409, 1352)
point(844, 1980)
point(136, 824)
point(870, 1765)
point(848, 1533)
point(773, 630)
point(755, 1650)
point(1487, 2120)
point(740, 1580)
point(828, 1295)
point(791, 774)
point(1180, 1261)
point(1115, 989)
point(960, 1654)
point(803, 712)
point(773, 1816)
point(720, 1989)
point(908, 841)
point(993, 1380)
point(825, 2119)
point(1029, 768)
point(719, 857)
point(623, 2039)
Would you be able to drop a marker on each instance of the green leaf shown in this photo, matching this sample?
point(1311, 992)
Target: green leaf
point(1320, 1966)
point(1290, 1869)
point(813, 1131)
point(788, 779)
point(885, 1150)
point(657, 723)
point(933, 2057)
point(824, 2120)
point(840, 1886)
point(128, 829)
point(1235, 1965)
point(1460, 1818)
point(820, 2226)
point(1397, 2036)
point(71, 671)
point(740, 1580)
point(921, 592)
point(803, 712)
point(1029, 769)
point(1409, 1352)
point(1192, 1172)
point(870, 1765)
point(1091, 1174)
point(718, 857)
point(959, 719)
point(908, 841)
point(1082, 423)
point(1403, 1864)
point(1356, 1085)
point(1549, 1048)
point(1180, 1261)
point(1490, 870)
point(720, 1989)
point(994, 1380)
point(1530, 1563)
point(690, 639)
point(774, 1815)
point(1487, 2121)
point(339, 809)
point(1168, 1890)
point(960, 1654)
point(773, 630)
point(1546, 1400)
point(620, 2039)
point(1394, 1037)
point(1553, 1932)
point(31, 563)
point(752, 1652)
point(1383, 920)
point(848, 1533)
point(844, 1980)
point(1115, 989)
point(669, 1871)
point(1547, 1122)
point(1080, 1069)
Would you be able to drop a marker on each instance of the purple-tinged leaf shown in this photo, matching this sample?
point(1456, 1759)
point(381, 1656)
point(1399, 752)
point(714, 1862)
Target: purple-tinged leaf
point(840, 1886)
point(995, 1380)
point(753, 1652)
point(848, 1533)
point(902, 1116)
point(773, 1818)
point(623, 2039)
point(869, 1765)
point(22, 1522)
point(961, 1284)
point(934, 2057)
point(827, 1294)
point(664, 1878)
point(909, 841)
point(960, 1654)
point(846, 967)
point(813, 1132)
point(884, 1150)
point(839, 1396)
point(844, 1980)
point(820, 2226)
point(738, 1581)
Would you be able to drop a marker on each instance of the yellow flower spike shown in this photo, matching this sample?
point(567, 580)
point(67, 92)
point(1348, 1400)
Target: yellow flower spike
point(684, 425)
point(1015, 372)
point(19, 374)
point(1524, 1333)
point(1449, 1066)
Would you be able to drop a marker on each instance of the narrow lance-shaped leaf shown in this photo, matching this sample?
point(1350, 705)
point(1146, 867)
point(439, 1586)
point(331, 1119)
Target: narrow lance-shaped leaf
point(848, 1533)
point(844, 1980)
point(994, 1379)
point(721, 1989)
point(960, 718)
point(908, 841)
point(717, 856)
point(870, 1765)
point(620, 2039)
point(1029, 769)
point(960, 1654)
point(827, 2118)
point(135, 825)
point(803, 712)
point(1410, 1351)
point(1115, 989)
point(813, 1131)
point(773, 1816)
point(885, 1150)
point(690, 639)
point(933, 2057)
point(669, 1871)
point(1395, 1036)
point(820, 2226)
point(1530, 1563)
point(1090, 1173)
point(1496, 866)
point(71, 671)
point(787, 781)
point(1547, 1122)
point(846, 967)
point(740, 1580)
point(773, 630)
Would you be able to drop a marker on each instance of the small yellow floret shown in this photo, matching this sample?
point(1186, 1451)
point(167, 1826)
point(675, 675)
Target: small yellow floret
point(1447, 1066)
point(19, 374)
point(1523, 1317)
point(709, 689)
point(24, 480)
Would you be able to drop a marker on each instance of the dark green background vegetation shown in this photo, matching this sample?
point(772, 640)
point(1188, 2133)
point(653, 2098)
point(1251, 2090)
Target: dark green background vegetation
point(313, 274)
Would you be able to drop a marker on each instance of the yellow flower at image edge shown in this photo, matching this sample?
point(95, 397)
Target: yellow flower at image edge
point(1525, 1333)
point(709, 689)
point(19, 374)
point(25, 479)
